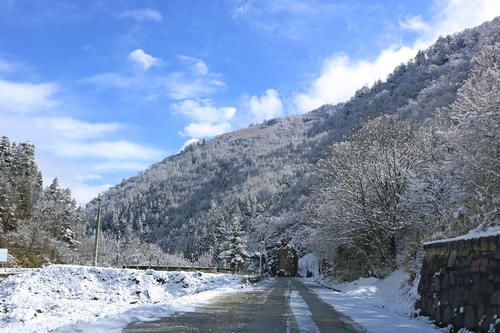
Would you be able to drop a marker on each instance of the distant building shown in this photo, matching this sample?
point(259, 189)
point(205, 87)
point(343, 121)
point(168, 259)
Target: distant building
point(284, 260)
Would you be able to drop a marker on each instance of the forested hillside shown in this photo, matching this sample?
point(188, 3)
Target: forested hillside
point(41, 225)
point(264, 177)
point(38, 224)
point(396, 182)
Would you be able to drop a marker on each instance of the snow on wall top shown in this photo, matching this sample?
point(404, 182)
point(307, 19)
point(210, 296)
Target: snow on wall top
point(473, 234)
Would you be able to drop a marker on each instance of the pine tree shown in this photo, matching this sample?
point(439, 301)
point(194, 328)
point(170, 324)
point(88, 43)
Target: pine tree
point(37, 224)
point(5, 182)
point(236, 253)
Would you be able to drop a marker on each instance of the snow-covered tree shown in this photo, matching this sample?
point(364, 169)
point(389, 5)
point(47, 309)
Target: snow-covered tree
point(236, 253)
point(39, 226)
point(363, 180)
point(459, 188)
point(476, 141)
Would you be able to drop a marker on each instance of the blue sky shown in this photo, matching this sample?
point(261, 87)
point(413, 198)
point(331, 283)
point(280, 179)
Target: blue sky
point(106, 88)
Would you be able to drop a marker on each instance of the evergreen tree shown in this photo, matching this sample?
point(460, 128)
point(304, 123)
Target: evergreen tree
point(236, 253)
point(38, 225)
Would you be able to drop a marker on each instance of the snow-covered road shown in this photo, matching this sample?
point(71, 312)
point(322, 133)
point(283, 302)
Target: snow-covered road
point(280, 305)
point(289, 305)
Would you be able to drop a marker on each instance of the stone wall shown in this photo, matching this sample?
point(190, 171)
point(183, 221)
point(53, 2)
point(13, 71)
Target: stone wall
point(460, 283)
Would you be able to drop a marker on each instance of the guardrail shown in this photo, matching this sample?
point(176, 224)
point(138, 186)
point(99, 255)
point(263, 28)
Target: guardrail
point(6, 272)
point(179, 268)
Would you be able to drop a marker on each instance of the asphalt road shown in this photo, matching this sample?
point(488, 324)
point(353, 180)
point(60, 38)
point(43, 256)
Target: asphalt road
point(285, 305)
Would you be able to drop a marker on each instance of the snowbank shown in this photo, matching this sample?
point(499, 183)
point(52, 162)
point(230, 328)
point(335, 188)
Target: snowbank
point(50, 297)
point(378, 305)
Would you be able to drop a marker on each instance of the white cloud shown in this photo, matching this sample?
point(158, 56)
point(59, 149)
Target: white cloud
point(414, 23)
point(180, 86)
point(68, 147)
point(198, 66)
point(70, 174)
point(146, 14)
point(204, 111)
point(74, 150)
point(456, 15)
point(204, 130)
point(75, 129)
point(26, 97)
point(112, 79)
point(291, 19)
point(144, 60)
point(341, 76)
point(297, 6)
point(201, 67)
point(266, 107)
point(206, 119)
point(241, 10)
point(196, 82)
point(90, 176)
point(83, 192)
point(45, 130)
point(188, 143)
point(113, 166)
point(115, 150)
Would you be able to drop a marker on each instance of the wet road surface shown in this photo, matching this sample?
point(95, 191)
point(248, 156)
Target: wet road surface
point(285, 305)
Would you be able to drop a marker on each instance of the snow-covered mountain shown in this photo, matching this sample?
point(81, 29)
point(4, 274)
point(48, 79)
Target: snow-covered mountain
point(262, 175)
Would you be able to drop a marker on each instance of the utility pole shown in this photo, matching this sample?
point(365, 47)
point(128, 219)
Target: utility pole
point(97, 229)
point(260, 264)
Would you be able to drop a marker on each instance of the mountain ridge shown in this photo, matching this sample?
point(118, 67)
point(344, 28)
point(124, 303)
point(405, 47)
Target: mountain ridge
point(262, 175)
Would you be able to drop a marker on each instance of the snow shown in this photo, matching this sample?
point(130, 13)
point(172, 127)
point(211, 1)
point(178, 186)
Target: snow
point(95, 299)
point(13, 270)
point(377, 305)
point(492, 231)
point(302, 315)
point(309, 262)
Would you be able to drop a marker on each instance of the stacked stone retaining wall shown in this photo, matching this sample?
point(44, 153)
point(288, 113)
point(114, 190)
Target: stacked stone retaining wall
point(460, 283)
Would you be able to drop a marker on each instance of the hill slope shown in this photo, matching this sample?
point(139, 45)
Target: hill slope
point(262, 175)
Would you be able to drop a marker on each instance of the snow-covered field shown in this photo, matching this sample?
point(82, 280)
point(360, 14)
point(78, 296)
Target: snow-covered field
point(377, 305)
point(79, 298)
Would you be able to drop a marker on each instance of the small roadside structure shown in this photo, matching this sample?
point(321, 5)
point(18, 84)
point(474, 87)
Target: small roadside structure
point(284, 260)
point(288, 261)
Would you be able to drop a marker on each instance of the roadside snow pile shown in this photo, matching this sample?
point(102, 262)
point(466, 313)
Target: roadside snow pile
point(46, 298)
point(378, 305)
point(388, 293)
